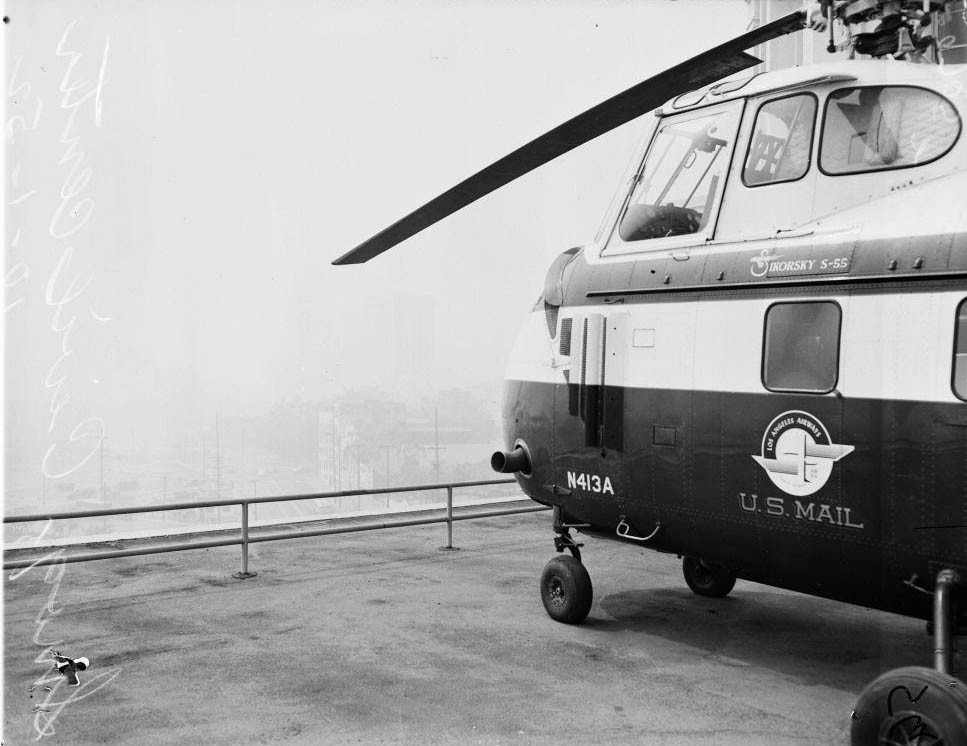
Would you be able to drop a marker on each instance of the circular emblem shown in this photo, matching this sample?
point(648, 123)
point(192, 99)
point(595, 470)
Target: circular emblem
point(797, 453)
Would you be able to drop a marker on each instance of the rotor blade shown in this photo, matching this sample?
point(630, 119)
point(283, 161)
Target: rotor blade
point(690, 75)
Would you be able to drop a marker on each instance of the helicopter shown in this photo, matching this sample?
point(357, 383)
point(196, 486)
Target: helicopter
point(759, 363)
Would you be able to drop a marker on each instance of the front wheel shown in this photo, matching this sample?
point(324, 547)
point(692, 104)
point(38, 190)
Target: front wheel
point(911, 705)
point(566, 590)
point(707, 578)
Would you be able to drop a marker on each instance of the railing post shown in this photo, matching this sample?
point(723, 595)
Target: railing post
point(449, 518)
point(244, 572)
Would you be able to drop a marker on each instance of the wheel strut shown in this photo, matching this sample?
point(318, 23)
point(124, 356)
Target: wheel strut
point(563, 539)
point(918, 704)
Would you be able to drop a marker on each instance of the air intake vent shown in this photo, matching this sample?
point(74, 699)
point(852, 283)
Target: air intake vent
point(566, 336)
point(550, 316)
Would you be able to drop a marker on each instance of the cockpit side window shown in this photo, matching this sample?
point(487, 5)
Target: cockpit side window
point(781, 143)
point(683, 174)
point(885, 127)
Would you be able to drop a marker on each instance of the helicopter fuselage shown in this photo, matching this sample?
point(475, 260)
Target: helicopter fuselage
point(761, 360)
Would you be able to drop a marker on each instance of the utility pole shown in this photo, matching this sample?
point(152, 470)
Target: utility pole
point(359, 481)
point(332, 447)
point(386, 448)
point(436, 441)
point(218, 465)
point(436, 444)
point(218, 470)
point(387, 477)
point(102, 468)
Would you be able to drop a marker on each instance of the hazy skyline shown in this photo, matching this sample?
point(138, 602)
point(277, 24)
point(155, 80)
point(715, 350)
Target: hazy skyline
point(181, 175)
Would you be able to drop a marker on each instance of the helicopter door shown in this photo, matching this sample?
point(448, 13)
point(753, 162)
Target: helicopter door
point(596, 377)
point(613, 380)
point(586, 377)
point(589, 419)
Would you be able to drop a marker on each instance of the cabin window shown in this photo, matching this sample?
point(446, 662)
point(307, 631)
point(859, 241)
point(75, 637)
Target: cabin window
point(682, 175)
point(885, 127)
point(781, 143)
point(960, 352)
point(801, 350)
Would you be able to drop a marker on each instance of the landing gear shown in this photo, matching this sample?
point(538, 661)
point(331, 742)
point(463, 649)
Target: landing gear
point(707, 578)
point(917, 705)
point(566, 590)
point(912, 705)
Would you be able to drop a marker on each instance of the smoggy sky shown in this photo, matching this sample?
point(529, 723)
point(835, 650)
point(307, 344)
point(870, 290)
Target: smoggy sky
point(180, 176)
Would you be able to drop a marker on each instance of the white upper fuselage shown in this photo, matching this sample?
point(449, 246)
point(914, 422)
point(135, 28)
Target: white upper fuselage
point(830, 220)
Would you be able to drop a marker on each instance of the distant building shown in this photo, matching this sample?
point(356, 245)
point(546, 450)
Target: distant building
point(358, 440)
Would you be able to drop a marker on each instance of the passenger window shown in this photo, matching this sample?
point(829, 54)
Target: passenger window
point(683, 173)
point(801, 351)
point(884, 127)
point(781, 141)
point(960, 352)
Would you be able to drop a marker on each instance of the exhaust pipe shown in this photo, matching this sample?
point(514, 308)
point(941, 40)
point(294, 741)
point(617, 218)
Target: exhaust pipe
point(511, 462)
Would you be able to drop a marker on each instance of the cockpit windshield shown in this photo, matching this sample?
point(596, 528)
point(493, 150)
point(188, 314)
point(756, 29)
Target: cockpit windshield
point(682, 175)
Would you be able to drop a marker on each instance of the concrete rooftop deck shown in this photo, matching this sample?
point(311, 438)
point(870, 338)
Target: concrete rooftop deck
point(381, 637)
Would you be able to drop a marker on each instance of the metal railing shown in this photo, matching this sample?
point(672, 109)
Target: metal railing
point(245, 538)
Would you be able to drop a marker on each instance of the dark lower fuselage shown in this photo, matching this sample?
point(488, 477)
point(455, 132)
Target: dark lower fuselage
point(890, 516)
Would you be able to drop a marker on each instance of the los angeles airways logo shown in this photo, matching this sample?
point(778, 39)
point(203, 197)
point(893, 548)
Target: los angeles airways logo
point(798, 454)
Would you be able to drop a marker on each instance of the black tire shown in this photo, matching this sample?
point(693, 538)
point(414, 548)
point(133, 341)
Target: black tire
point(566, 590)
point(707, 578)
point(911, 705)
